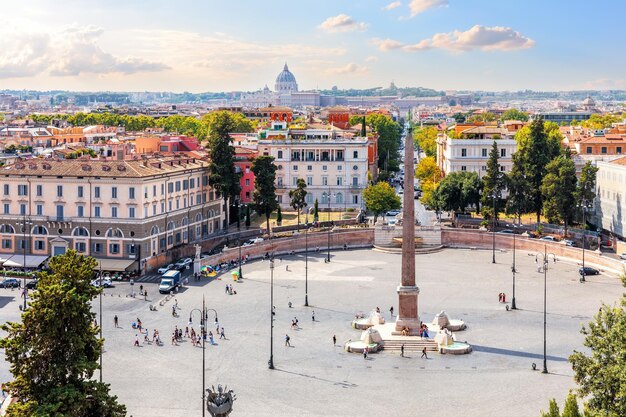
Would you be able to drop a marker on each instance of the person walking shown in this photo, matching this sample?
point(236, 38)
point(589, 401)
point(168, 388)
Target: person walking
point(287, 339)
point(334, 340)
point(424, 355)
point(402, 350)
point(145, 295)
point(365, 353)
point(222, 335)
point(313, 316)
point(136, 340)
point(115, 321)
point(391, 311)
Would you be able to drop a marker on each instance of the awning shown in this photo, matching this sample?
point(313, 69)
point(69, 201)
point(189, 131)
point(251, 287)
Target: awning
point(114, 265)
point(32, 261)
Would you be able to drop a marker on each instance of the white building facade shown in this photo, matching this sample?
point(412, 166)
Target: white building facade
point(610, 203)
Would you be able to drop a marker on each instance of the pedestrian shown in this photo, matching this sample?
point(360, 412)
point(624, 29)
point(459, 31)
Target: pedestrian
point(136, 340)
point(391, 311)
point(313, 316)
point(173, 311)
point(273, 310)
point(174, 339)
point(334, 340)
point(145, 295)
point(289, 304)
point(297, 325)
point(145, 337)
point(287, 268)
point(222, 336)
point(365, 352)
point(402, 350)
point(138, 324)
point(226, 288)
point(424, 355)
point(287, 339)
point(175, 304)
point(186, 332)
point(115, 321)
point(141, 289)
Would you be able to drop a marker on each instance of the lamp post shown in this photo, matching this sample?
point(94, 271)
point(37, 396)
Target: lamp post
point(306, 264)
point(270, 363)
point(24, 224)
point(545, 260)
point(514, 271)
point(204, 315)
point(329, 227)
point(100, 277)
point(240, 274)
point(583, 272)
point(493, 229)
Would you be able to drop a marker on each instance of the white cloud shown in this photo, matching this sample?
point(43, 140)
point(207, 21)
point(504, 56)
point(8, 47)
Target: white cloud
point(69, 52)
point(371, 58)
point(387, 44)
point(351, 68)
point(341, 23)
point(604, 84)
point(420, 6)
point(479, 37)
point(392, 5)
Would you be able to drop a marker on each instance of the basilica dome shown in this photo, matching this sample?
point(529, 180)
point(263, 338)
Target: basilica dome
point(286, 82)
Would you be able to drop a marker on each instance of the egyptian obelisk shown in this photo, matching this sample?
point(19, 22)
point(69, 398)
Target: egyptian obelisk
point(408, 291)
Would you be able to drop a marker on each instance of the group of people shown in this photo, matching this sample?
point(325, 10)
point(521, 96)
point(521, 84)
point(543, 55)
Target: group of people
point(229, 289)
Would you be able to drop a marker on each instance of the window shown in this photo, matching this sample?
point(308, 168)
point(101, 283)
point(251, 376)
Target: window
point(339, 156)
point(247, 182)
point(483, 168)
point(80, 246)
point(170, 187)
point(339, 198)
point(484, 152)
point(59, 212)
point(603, 149)
point(131, 193)
point(279, 181)
point(81, 231)
point(324, 180)
point(131, 212)
point(6, 243)
point(355, 199)
point(247, 194)
point(355, 181)
point(96, 192)
point(355, 154)
point(162, 189)
point(463, 152)
point(22, 244)
point(309, 180)
point(294, 181)
point(177, 186)
point(185, 184)
point(192, 183)
point(295, 167)
point(280, 154)
point(39, 191)
point(177, 203)
point(96, 211)
point(589, 149)
point(131, 249)
point(114, 248)
point(618, 150)
point(324, 167)
point(113, 192)
point(80, 211)
point(153, 191)
point(59, 191)
point(22, 209)
point(169, 205)
point(162, 207)
point(40, 245)
point(97, 247)
point(502, 168)
point(113, 211)
point(39, 209)
point(309, 168)
point(503, 153)
point(6, 189)
point(339, 180)
point(7, 208)
point(463, 168)
point(22, 189)
point(339, 167)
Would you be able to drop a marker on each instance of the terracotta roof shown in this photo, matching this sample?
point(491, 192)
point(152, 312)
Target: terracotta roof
point(604, 139)
point(82, 168)
point(620, 161)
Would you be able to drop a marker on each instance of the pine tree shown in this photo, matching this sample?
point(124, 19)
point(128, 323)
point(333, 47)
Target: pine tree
point(363, 128)
point(559, 191)
point(298, 197)
point(517, 201)
point(553, 410)
point(247, 217)
point(570, 408)
point(264, 188)
point(316, 215)
point(54, 350)
point(279, 216)
point(493, 184)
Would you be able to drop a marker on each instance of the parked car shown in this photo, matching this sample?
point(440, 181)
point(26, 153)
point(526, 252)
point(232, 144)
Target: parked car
point(622, 255)
point(9, 283)
point(106, 282)
point(549, 238)
point(506, 232)
point(589, 271)
point(183, 263)
point(392, 213)
point(164, 269)
point(32, 284)
point(607, 243)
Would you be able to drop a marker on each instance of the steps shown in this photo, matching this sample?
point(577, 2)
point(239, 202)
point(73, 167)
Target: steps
point(411, 344)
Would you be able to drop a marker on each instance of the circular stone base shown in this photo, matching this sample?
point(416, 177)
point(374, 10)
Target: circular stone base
point(456, 325)
point(457, 348)
point(357, 346)
point(361, 324)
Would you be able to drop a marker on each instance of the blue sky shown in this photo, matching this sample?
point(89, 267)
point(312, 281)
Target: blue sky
point(210, 45)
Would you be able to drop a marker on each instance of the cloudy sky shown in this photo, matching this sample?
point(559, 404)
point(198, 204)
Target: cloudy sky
point(211, 45)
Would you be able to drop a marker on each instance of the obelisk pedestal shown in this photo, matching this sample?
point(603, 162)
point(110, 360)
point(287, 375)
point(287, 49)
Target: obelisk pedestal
point(408, 316)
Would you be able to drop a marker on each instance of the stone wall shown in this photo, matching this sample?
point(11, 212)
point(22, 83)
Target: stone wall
point(464, 238)
point(430, 235)
point(353, 238)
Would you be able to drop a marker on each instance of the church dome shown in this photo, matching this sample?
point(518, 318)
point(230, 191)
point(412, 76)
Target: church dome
point(286, 82)
point(589, 101)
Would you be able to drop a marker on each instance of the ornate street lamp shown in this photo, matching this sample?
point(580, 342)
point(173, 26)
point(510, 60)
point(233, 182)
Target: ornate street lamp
point(545, 256)
point(204, 315)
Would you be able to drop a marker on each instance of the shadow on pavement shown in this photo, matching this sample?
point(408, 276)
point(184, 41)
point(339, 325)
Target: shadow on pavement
point(509, 352)
point(344, 384)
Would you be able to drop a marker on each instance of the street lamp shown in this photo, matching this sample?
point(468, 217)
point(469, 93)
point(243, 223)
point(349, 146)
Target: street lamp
point(583, 272)
point(240, 274)
point(513, 270)
point(545, 261)
point(24, 224)
point(493, 228)
point(329, 227)
point(270, 363)
point(100, 276)
point(306, 264)
point(204, 315)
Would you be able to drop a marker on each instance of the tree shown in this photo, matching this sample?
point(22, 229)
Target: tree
point(54, 350)
point(248, 217)
point(601, 121)
point(459, 117)
point(559, 191)
point(222, 174)
point(264, 195)
point(493, 183)
point(279, 216)
point(214, 120)
point(517, 201)
point(553, 410)
point(537, 145)
point(457, 191)
point(316, 212)
point(428, 174)
point(389, 134)
point(298, 197)
point(426, 139)
point(586, 189)
point(482, 117)
point(380, 198)
point(570, 408)
point(514, 114)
